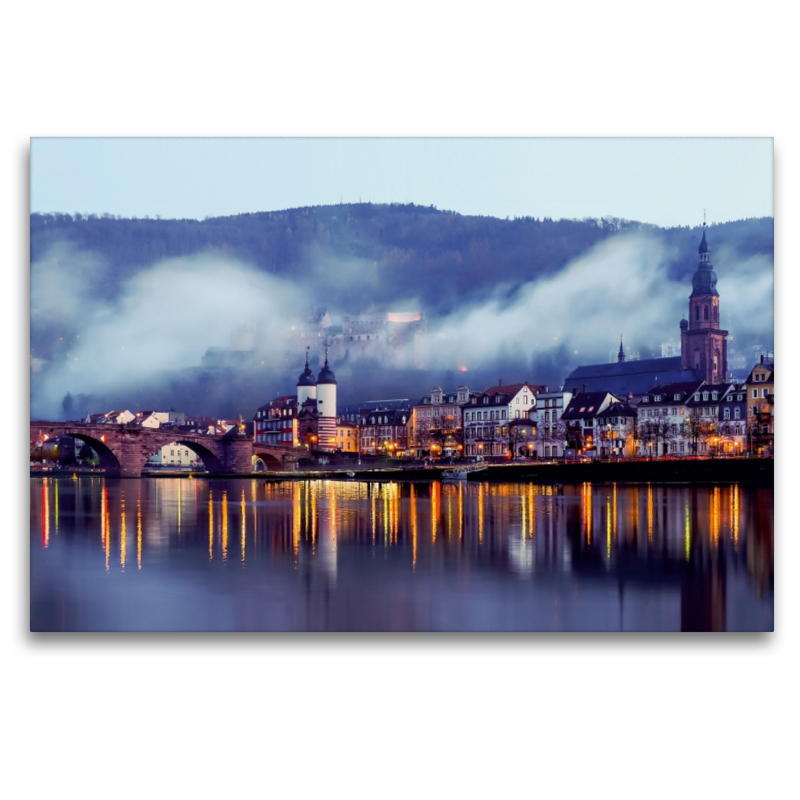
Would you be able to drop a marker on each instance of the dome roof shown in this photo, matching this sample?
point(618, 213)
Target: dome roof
point(704, 281)
point(326, 375)
point(684, 324)
point(307, 376)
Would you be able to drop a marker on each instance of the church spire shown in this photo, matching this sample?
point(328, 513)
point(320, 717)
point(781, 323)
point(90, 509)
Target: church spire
point(621, 355)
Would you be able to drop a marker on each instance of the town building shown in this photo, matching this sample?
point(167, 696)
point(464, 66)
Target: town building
point(487, 417)
point(581, 422)
point(436, 423)
point(177, 456)
point(347, 437)
point(550, 439)
point(662, 419)
point(384, 427)
point(615, 429)
point(733, 421)
point(760, 385)
point(701, 429)
point(110, 418)
point(276, 423)
point(522, 436)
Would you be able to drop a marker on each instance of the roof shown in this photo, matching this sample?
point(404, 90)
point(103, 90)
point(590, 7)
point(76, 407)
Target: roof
point(584, 405)
point(628, 377)
point(703, 244)
point(512, 388)
point(719, 388)
point(669, 390)
point(380, 405)
point(768, 367)
point(285, 401)
point(393, 416)
point(622, 409)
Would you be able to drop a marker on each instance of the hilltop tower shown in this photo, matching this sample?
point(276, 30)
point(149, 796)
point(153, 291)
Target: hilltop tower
point(326, 407)
point(704, 346)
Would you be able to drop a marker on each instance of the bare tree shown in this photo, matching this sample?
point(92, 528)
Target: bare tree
point(656, 433)
point(697, 431)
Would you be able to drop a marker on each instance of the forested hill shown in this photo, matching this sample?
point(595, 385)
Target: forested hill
point(438, 258)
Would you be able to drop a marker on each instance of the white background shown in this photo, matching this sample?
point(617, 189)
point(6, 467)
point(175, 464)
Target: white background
point(396, 716)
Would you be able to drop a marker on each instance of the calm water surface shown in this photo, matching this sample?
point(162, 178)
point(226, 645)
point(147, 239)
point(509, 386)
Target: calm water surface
point(241, 555)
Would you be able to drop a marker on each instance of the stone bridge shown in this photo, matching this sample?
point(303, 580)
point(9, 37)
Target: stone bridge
point(124, 449)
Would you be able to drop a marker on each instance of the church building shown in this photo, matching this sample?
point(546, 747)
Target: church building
point(704, 348)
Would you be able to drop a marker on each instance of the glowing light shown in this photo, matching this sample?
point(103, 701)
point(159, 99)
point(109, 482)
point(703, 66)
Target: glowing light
point(297, 510)
point(224, 526)
point(45, 515)
point(123, 534)
point(434, 510)
point(413, 511)
point(243, 508)
point(210, 525)
point(480, 514)
point(688, 531)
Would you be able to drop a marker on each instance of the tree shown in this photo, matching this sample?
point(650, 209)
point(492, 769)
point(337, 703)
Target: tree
point(656, 433)
point(697, 431)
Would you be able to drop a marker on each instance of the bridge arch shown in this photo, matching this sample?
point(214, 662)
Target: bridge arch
point(108, 458)
point(271, 462)
point(210, 460)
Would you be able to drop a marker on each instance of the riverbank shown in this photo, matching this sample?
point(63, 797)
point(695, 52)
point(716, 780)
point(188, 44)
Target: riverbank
point(754, 471)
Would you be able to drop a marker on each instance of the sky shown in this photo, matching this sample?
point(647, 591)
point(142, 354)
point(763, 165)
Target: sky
point(664, 181)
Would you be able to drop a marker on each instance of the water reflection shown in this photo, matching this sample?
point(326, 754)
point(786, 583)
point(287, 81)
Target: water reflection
point(356, 555)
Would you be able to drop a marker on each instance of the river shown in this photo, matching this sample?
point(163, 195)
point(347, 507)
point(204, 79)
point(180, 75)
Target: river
point(171, 554)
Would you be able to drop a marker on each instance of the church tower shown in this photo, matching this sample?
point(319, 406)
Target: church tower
point(704, 346)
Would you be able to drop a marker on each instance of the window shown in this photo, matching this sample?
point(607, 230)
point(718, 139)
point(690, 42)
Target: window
point(676, 397)
point(763, 392)
point(705, 312)
point(755, 393)
point(705, 395)
point(683, 412)
point(697, 312)
point(727, 413)
point(736, 413)
point(714, 395)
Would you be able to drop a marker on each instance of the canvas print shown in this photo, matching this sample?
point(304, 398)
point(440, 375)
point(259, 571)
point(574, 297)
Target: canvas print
point(418, 385)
